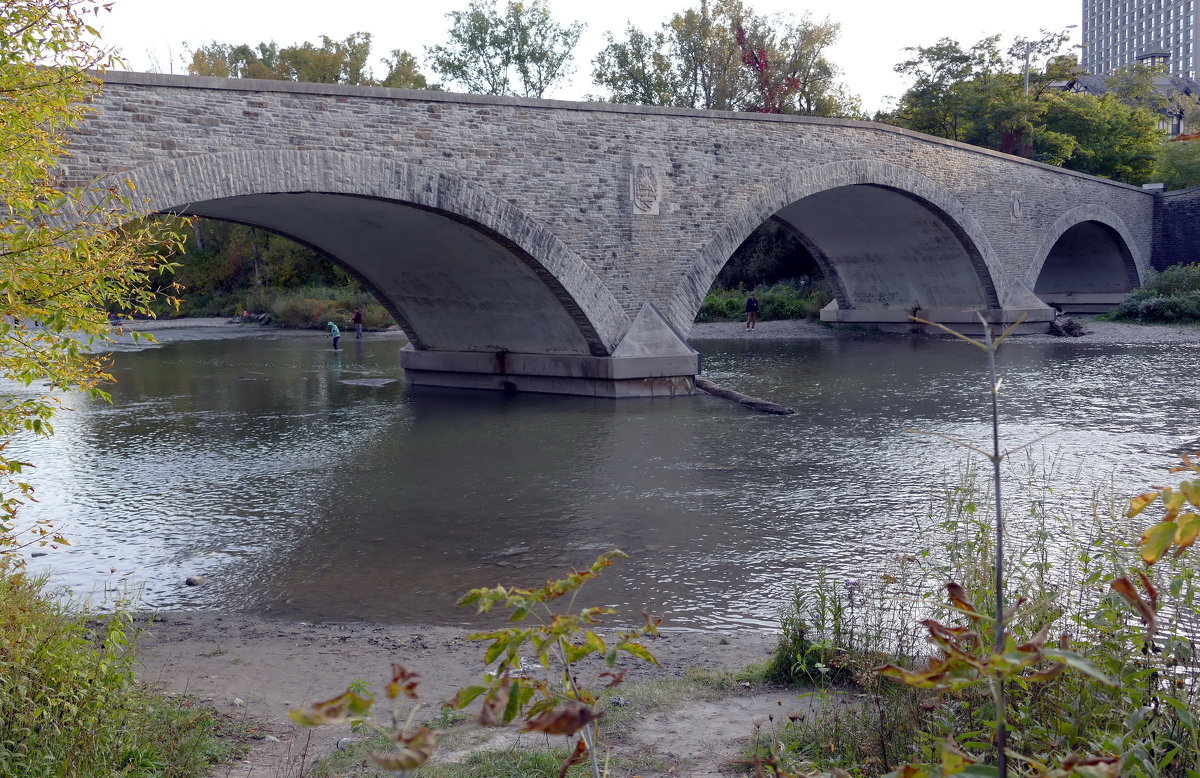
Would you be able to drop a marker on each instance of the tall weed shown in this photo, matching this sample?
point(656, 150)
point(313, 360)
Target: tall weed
point(69, 703)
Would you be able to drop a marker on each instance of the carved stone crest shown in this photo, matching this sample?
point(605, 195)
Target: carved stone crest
point(645, 188)
point(1014, 205)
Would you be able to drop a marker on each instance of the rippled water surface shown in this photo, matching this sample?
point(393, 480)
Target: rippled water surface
point(270, 465)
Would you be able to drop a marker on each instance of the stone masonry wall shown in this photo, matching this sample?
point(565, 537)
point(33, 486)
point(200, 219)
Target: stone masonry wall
point(1178, 228)
point(568, 166)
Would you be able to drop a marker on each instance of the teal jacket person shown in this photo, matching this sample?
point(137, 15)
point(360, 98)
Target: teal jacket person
point(335, 332)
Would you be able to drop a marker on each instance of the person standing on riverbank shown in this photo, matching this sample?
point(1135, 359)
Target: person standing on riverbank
point(357, 319)
point(335, 332)
point(751, 311)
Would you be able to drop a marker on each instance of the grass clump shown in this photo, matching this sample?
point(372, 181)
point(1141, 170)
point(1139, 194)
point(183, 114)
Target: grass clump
point(835, 634)
point(1169, 297)
point(800, 298)
point(70, 705)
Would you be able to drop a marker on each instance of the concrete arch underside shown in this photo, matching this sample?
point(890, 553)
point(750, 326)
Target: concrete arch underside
point(1086, 262)
point(890, 241)
point(488, 296)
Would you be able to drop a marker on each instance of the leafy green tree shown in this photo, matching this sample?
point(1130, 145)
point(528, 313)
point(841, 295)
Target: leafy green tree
point(66, 260)
point(403, 73)
point(979, 96)
point(333, 62)
point(700, 59)
point(521, 51)
point(1179, 164)
point(1112, 139)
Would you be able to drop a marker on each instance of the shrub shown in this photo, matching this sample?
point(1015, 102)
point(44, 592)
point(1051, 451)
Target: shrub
point(69, 704)
point(1171, 296)
point(799, 298)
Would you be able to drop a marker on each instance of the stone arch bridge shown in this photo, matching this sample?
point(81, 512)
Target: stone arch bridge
point(566, 247)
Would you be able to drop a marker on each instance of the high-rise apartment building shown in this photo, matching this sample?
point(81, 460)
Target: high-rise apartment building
point(1122, 32)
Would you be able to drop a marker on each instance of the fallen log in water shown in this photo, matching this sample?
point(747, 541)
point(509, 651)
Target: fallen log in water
point(744, 399)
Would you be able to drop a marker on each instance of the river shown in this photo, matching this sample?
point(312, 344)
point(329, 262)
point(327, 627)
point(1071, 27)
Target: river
point(303, 483)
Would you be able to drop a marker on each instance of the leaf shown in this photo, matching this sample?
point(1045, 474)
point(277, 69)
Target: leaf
point(465, 696)
point(1156, 540)
point(577, 756)
point(1186, 531)
point(958, 599)
point(953, 758)
point(1191, 490)
point(565, 721)
point(1172, 502)
point(1124, 587)
point(1077, 662)
point(638, 650)
point(1139, 503)
point(402, 681)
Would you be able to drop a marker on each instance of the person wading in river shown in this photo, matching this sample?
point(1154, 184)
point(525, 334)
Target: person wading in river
point(357, 319)
point(751, 311)
point(335, 332)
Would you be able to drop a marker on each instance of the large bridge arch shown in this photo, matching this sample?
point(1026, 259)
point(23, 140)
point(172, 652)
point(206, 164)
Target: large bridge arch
point(1086, 262)
point(462, 269)
point(944, 262)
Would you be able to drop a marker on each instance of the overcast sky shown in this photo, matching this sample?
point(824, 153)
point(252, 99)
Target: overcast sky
point(152, 33)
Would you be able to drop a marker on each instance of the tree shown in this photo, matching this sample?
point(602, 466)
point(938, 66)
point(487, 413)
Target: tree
point(1112, 139)
point(67, 256)
point(979, 96)
point(403, 74)
point(521, 51)
point(333, 62)
point(1178, 164)
point(723, 56)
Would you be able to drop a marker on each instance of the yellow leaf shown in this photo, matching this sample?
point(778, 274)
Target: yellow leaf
point(1139, 503)
point(1156, 540)
point(1191, 490)
point(1187, 530)
point(1172, 502)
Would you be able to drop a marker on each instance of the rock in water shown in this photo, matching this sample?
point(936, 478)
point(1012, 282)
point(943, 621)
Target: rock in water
point(195, 580)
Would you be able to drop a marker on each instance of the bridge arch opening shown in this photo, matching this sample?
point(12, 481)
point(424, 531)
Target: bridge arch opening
point(1088, 269)
point(451, 285)
point(884, 253)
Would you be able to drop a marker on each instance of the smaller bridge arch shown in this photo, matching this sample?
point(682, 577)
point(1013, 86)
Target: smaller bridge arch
point(1086, 262)
point(890, 241)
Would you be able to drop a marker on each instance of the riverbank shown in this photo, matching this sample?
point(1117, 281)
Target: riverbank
point(257, 669)
point(1096, 331)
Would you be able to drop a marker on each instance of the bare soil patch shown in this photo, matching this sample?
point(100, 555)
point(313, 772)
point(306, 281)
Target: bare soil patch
point(259, 669)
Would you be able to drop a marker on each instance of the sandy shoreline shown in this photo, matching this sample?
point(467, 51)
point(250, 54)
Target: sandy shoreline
point(258, 668)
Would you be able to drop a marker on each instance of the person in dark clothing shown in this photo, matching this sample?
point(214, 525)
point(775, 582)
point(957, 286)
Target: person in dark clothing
point(751, 311)
point(357, 319)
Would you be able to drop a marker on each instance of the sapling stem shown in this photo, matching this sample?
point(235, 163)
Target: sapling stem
point(996, 457)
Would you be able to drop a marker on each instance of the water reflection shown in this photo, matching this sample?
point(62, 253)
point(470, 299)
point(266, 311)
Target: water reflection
point(252, 462)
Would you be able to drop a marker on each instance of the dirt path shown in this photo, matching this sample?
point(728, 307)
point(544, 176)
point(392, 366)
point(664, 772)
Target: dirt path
point(258, 669)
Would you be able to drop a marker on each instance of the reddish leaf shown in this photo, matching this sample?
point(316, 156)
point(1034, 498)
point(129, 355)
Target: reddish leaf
point(1124, 587)
point(402, 681)
point(565, 721)
point(577, 756)
point(958, 598)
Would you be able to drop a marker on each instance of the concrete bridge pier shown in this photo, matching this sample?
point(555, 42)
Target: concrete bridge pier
point(652, 360)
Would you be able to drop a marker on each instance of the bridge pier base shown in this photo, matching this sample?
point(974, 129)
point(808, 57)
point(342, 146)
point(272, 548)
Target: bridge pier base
point(964, 321)
point(652, 360)
point(612, 377)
